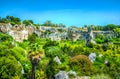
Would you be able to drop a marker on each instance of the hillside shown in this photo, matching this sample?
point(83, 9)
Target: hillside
point(30, 51)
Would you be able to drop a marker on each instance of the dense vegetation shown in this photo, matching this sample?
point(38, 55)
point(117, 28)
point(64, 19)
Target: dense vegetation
point(17, 60)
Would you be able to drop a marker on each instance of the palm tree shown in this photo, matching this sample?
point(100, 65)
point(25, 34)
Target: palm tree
point(35, 57)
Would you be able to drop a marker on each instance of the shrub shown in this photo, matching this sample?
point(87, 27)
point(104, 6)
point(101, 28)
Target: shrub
point(53, 51)
point(100, 76)
point(77, 50)
point(99, 41)
point(9, 68)
point(5, 37)
point(50, 43)
point(40, 74)
point(81, 64)
point(90, 45)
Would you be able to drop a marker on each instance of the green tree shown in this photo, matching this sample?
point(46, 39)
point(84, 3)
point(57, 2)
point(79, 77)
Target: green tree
point(117, 32)
point(9, 68)
point(28, 22)
point(48, 23)
point(52, 52)
point(5, 37)
point(110, 27)
point(13, 20)
point(21, 56)
point(99, 38)
point(61, 25)
point(50, 43)
point(35, 57)
point(67, 49)
point(77, 50)
point(3, 20)
point(32, 38)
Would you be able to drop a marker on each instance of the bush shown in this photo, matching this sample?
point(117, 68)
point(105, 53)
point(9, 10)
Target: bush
point(32, 38)
point(40, 74)
point(50, 43)
point(9, 68)
point(53, 51)
point(77, 50)
point(100, 76)
point(99, 41)
point(81, 64)
point(5, 37)
point(90, 45)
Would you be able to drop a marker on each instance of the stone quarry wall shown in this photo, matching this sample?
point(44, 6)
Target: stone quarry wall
point(21, 32)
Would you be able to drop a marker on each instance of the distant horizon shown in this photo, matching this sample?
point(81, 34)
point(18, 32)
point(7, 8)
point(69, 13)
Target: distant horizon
point(68, 12)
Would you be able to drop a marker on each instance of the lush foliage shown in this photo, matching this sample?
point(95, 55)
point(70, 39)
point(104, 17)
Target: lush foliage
point(16, 57)
point(73, 56)
point(81, 64)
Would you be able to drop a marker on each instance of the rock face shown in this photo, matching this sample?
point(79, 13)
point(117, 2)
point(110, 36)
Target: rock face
point(66, 75)
point(4, 27)
point(72, 74)
point(92, 57)
point(21, 32)
point(18, 33)
point(90, 36)
point(61, 75)
point(73, 34)
point(56, 59)
point(22, 71)
point(30, 29)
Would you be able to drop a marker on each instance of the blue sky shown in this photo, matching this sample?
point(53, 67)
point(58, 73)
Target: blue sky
point(68, 12)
